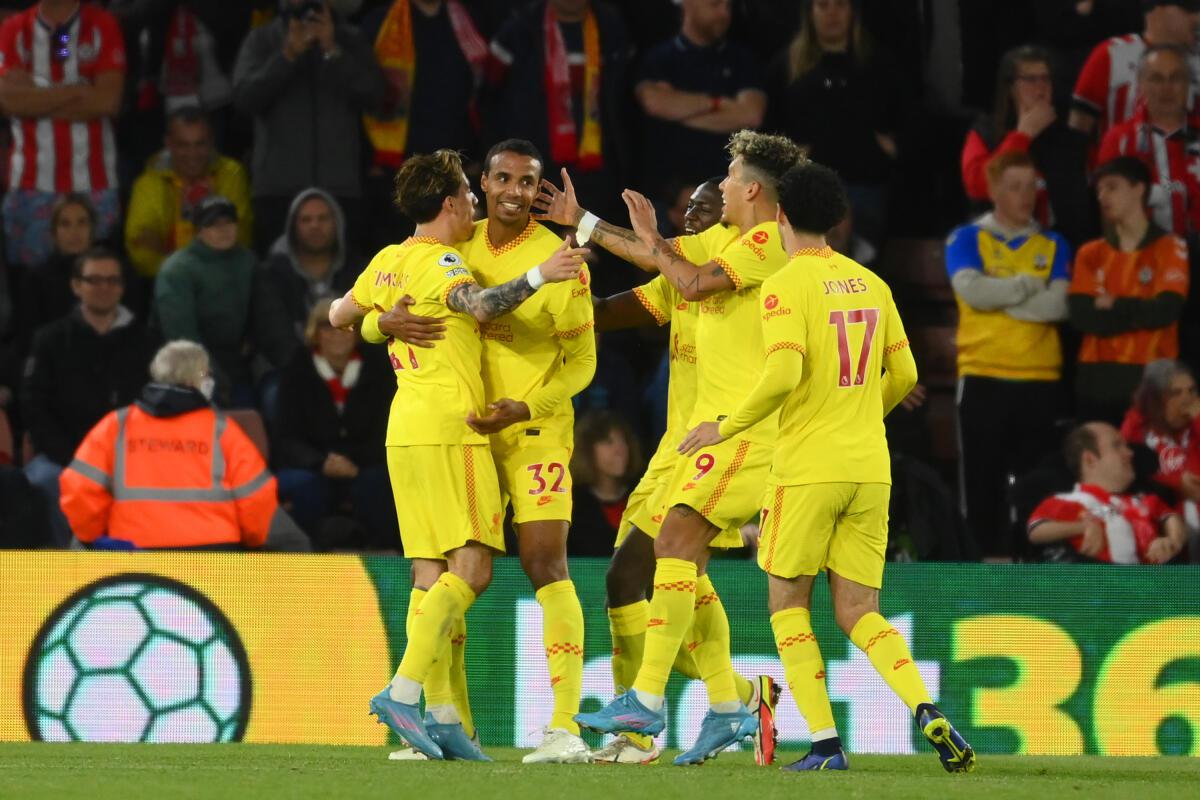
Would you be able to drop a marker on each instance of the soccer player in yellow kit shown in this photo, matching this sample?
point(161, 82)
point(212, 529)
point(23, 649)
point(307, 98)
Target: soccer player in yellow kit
point(632, 567)
point(837, 362)
point(443, 478)
point(720, 487)
point(534, 361)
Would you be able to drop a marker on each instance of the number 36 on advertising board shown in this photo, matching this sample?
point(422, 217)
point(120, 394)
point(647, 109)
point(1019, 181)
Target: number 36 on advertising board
point(1136, 688)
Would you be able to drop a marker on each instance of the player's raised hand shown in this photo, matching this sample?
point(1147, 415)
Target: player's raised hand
point(402, 324)
point(557, 205)
point(502, 413)
point(641, 215)
point(564, 264)
point(706, 434)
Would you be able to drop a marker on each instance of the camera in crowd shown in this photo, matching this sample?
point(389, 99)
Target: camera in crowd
point(305, 10)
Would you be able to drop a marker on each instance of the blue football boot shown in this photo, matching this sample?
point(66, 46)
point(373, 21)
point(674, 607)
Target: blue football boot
point(952, 748)
point(405, 721)
point(455, 744)
point(812, 761)
point(626, 714)
point(717, 732)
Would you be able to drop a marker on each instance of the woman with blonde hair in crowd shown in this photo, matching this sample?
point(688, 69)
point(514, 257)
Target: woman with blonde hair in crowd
point(328, 440)
point(832, 91)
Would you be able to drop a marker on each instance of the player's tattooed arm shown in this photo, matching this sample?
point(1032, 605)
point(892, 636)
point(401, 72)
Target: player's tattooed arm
point(487, 304)
point(694, 283)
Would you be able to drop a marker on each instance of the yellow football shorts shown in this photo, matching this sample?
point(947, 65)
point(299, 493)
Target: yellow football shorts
point(816, 526)
point(533, 465)
point(446, 496)
point(723, 483)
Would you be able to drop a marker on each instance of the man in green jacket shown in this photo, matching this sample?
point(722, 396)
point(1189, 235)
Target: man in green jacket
point(203, 294)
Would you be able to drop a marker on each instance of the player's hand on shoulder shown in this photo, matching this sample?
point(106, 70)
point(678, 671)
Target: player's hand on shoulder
point(706, 434)
point(564, 264)
point(558, 205)
point(501, 414)
point(400, 323)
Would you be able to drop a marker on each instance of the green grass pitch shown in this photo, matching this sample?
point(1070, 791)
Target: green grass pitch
point(264, 772)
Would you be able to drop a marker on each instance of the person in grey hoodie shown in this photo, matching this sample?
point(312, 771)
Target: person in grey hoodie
point(306, 79)
point(308, 261)
point(203, 294)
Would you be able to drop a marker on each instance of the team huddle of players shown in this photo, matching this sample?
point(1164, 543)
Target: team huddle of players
point(786, 356)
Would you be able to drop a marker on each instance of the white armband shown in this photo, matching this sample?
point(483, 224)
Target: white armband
point(583, 232)
point(534, 276)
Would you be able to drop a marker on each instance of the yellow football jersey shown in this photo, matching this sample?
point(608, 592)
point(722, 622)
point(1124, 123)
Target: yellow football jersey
point(524, 350)
point(729, 344)
point(842, 318)
point(666, 305)
point(437, 386)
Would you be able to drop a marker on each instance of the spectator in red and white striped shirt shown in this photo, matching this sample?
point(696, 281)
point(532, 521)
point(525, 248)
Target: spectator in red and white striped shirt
point(1161, 135)
point(1106, 91)
point(62, 71)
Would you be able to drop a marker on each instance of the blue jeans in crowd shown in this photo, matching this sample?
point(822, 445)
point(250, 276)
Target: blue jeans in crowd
point(43, 474)
point(313, 496)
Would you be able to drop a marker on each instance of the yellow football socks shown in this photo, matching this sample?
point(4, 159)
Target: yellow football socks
point(627, 624)
point(671, 613)
point(710, 629)
point(448, 598)
point(803, 666)
point(458, 674)
point(891, 658)
point(562, 634)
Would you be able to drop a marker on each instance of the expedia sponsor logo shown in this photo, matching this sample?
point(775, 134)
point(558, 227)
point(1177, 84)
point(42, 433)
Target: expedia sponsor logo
point(761, 237)
point(760, 253)
point(782, 311)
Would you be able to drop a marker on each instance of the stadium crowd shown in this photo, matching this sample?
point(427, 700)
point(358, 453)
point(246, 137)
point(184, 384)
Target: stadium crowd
point(216, 170)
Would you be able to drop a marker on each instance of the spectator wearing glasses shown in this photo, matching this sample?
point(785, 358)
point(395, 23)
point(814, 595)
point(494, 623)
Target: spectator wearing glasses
point(82, 366)
point(62, 73)
point(1160, 134)
point(1024, 121)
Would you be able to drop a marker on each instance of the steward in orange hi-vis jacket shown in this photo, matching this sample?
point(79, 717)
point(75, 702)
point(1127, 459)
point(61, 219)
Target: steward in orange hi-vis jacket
point(169, 471)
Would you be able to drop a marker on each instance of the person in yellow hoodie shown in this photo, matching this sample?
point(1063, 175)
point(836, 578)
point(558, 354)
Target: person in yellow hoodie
point(185, 172)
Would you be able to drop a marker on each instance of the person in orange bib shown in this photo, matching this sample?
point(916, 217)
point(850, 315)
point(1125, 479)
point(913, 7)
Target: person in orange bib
point(170, 471)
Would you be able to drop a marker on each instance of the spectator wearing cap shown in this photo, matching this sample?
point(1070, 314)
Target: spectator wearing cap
point(1100, 519)
point(306, 78)
point(1160, 134)
point(62, 73)
point(188, 169)
point(203, 295)
point(1106, 92)
point(1127, 293)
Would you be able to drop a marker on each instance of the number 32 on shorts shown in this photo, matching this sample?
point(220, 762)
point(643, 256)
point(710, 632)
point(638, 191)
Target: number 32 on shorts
point(547, 477)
